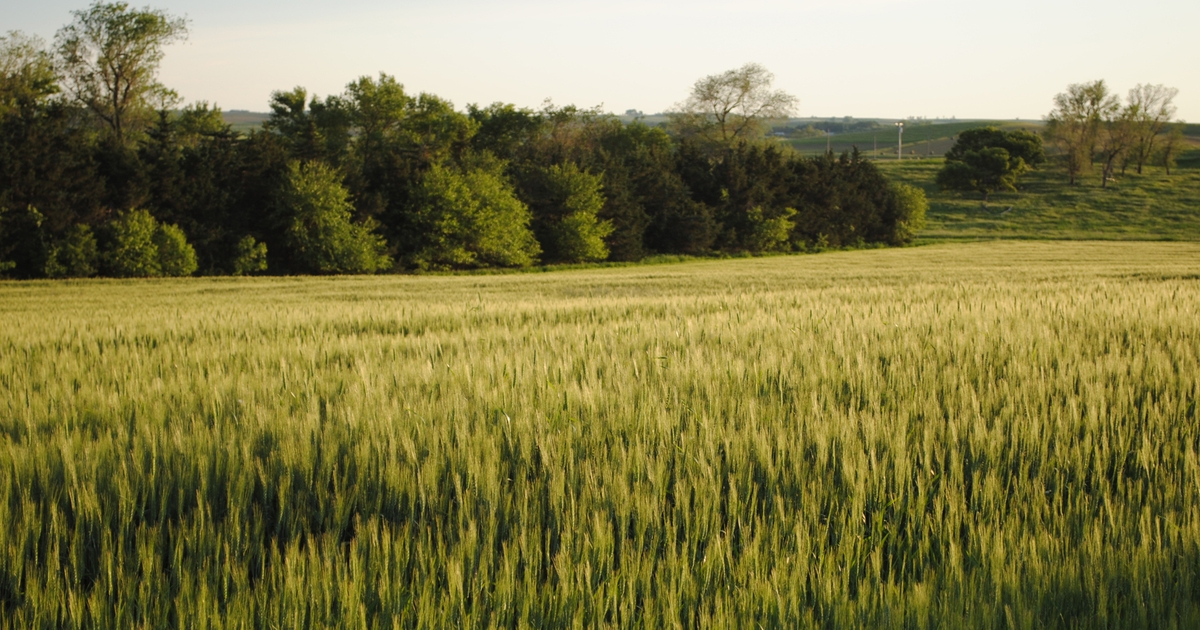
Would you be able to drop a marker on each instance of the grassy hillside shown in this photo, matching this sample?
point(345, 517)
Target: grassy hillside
point(920, 139)
point(1152, 206)
point(951, 436)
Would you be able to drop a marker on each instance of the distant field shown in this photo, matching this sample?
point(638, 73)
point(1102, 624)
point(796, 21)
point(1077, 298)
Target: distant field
point(920, 139)
point(951, 436)
point(1152, 206)
point(245, 122)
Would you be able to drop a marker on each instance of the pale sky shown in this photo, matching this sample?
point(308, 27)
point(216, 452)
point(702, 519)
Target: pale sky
point(863, 58)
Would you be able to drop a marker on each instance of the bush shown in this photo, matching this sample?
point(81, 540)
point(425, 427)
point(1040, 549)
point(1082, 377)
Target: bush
point(75, 256)
point(250, 257)
point(769, 234)
point(139, 247)
point(175, 256)
point(911, 206)
point(131, 251)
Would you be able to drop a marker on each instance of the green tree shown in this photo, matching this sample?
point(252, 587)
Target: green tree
point(110, 55)
point(314, 206)
point(471, 218)
point(316, 129)
point(27, 73)
point(131, 251)
point(989, 159)
point(733, 105)
point(566, 206)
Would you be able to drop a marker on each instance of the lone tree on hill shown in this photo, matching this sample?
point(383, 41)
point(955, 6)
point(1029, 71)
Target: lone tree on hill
point(733, 105)
point(988, 159)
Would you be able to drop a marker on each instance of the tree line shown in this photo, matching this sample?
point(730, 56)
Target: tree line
point(104, 172)
point(1088, 125)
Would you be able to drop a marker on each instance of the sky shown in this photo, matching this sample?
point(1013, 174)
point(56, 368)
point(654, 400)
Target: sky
point(861, 58)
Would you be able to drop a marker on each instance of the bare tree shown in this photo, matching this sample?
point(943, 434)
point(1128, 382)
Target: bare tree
point(1074, 124)
point(110, 55)
point(1117, 134)
point(1151, 110)
point(732, 105)
point(1172, 143)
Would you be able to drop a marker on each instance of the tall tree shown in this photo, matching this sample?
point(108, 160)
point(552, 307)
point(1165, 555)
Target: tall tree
point(1117, 134)
point(1074, 124)
point(27, 73)
point(110, 55)
point(1172, 143)
point(314, 129)
point(733, 105)
point(470, 218)
point(1151, 109)
point(566, 202)
point(315, 208)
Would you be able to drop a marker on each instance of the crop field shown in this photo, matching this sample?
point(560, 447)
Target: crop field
point(985, 435)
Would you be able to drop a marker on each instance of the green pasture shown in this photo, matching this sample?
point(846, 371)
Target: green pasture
point(984, 435)
point(1151, 206)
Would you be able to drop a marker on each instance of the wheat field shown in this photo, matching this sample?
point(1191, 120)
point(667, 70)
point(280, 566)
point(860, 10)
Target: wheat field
point(985, 435)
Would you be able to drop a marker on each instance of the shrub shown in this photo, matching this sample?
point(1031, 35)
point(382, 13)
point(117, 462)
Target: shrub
point(250, 257)
point(75, 256)
point(140, 247)
point(911, 205)
point(175, 256)
point(131, 251)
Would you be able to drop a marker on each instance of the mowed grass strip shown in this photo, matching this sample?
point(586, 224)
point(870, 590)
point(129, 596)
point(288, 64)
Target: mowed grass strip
point(964, 435)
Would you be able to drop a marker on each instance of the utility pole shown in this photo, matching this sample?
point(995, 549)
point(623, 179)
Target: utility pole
point(827, 141)
point(875, 145)
point(900, 141)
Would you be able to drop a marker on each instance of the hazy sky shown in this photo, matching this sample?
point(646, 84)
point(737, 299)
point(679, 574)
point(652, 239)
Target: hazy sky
point(865, 58)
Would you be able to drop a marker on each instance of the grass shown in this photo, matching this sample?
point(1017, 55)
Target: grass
point(1152, 206)
point(962, 435)
point(919, 139)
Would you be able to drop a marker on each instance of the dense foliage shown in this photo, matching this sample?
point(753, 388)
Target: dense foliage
point(378, 179)
point(988, 159)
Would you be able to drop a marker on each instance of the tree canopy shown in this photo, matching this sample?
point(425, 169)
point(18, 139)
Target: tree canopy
point(110, 56)
point(733, 105)
point(989, 159)
point(102, 171)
